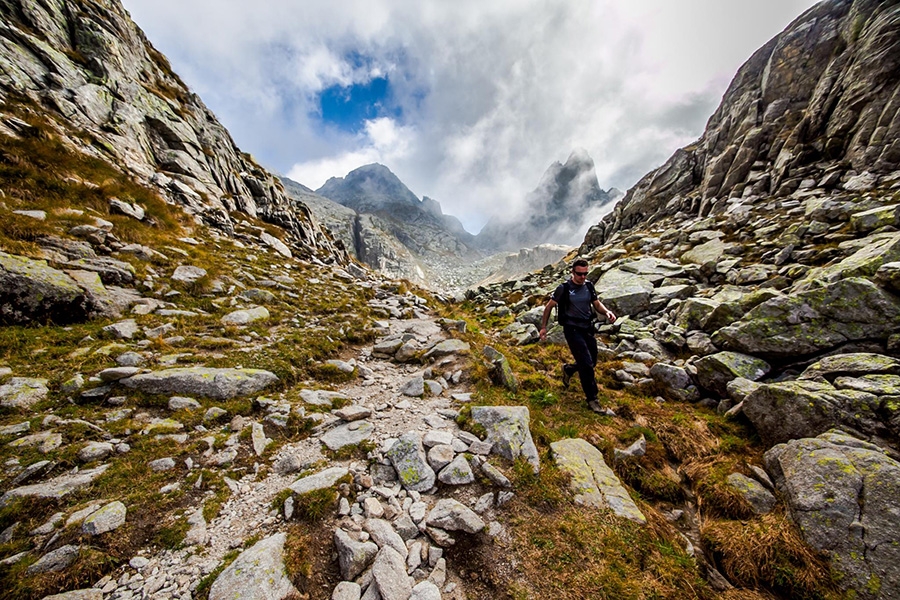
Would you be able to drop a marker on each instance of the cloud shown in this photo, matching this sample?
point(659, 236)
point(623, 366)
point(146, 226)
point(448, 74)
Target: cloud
point(491, 93)
point(382, 140)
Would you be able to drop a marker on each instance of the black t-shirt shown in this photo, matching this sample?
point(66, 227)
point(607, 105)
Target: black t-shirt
point(576, 304)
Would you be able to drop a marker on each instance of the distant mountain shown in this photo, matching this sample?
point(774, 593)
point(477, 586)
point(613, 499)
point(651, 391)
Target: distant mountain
point(383, 224)
point(368, 188)
point(566, 202)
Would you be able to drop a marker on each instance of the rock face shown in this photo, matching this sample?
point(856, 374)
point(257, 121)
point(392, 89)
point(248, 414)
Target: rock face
point(564, 191)
point(93, 67)
point(813, 104)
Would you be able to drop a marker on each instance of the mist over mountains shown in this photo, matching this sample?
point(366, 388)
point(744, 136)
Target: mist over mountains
point(382, 223)
point(566, 202)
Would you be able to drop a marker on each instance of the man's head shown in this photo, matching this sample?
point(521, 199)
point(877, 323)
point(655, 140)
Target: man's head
point(579, 270)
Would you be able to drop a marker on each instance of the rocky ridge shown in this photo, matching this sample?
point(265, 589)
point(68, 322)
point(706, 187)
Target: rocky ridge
point(812, 113)
point(114, 97)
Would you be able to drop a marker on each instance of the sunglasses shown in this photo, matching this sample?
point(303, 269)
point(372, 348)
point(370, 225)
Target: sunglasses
point(580, 273)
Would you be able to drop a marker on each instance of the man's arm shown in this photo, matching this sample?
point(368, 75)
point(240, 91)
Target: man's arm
point(598, 306)
point(546, 317)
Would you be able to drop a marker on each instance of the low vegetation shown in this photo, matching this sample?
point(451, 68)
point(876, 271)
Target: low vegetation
point(562, 550)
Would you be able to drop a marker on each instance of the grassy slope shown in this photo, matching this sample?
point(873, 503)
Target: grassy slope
point(562, 550)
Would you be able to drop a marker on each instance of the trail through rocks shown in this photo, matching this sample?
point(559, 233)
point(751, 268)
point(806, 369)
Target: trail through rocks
point(374, 403)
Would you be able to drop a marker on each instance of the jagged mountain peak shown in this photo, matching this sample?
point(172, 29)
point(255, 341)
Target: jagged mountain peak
point(368, 187)
point(566, 201)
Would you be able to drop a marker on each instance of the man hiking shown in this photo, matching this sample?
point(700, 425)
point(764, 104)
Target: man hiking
point(575, 299)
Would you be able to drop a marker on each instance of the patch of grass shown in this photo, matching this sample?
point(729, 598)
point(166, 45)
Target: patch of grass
point(316, 505)
point(221, 492)
point(40, 172)
point(171, 535)
point(280, 497)
point(715, 496)
point(769, 553)
point(90, 565)
point(575, 553)
point(545, 490)
point(566, 430)
point(307, 558)
point(634, 433)
point(331, 373)
point(359, 451)
point(652, 483)
point(541, 398)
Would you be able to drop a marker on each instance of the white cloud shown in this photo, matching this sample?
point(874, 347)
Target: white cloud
point(381, 140)
point(492, 92)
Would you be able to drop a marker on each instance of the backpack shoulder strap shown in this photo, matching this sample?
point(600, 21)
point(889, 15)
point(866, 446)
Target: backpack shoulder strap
point(563, 302)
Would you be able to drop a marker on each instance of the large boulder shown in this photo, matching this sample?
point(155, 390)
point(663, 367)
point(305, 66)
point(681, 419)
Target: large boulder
point(23, 392)
point(815, 321)
point(851, 364)
point(257, 573)
point(508, 430)
point(842, 492)
point(595, 485)
point(219, 384)
point(715, 371)
point(625, 292)
point(319, 481)
point(790, 410)
point(32, 291)
point(407, 455)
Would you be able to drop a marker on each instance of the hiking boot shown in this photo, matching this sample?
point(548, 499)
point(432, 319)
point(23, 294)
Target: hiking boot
point(595, 406)
point(566, 378)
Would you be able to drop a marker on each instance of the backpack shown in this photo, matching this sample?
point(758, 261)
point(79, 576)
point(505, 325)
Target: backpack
point(563, 303)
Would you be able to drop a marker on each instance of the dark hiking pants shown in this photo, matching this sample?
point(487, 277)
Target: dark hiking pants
point(583, 346)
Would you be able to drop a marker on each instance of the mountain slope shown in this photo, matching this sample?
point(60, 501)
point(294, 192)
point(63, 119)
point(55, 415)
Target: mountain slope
point(756, 281)
point(112, 96)
point(816, 108)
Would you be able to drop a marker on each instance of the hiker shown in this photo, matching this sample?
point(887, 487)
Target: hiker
point(575, 297)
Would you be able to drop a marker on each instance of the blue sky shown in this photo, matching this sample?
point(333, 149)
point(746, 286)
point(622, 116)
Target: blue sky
point(348, 107)
point(468, 102)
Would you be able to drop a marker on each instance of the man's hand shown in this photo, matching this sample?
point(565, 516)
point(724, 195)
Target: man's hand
point(610, 316)
point(543, 333)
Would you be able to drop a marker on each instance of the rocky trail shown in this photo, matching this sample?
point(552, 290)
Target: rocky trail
point(387, 402)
